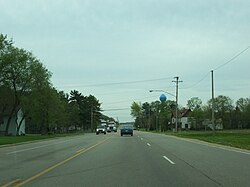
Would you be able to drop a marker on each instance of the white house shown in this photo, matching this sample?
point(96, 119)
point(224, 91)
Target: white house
point(16, 120)
point(184, 121)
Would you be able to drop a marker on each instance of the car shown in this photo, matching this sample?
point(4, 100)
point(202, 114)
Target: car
point(127, 130)
point(111, 127)
point(101, 129)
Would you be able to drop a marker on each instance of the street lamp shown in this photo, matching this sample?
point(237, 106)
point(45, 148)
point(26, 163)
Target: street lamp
point(162, 91)
point(176, 103)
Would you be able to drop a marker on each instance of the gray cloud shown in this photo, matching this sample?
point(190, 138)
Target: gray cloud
point(102, 41)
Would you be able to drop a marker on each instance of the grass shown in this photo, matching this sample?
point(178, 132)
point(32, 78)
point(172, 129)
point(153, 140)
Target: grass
point(19, 139)
point(235, 138)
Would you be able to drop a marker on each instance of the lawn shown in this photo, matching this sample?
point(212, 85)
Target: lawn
point(239, 139)
point(19, 139)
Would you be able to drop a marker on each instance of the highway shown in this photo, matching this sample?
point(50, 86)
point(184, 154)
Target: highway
point(146, 159)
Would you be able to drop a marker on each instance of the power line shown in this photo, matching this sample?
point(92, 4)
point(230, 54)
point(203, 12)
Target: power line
point(116, 83)
point(120, 92)
point(220, 66)
point(130, 100)
point(205, 76)
point(236, 56)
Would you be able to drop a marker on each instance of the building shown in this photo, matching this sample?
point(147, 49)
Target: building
point(184, 117)
point(16, 120)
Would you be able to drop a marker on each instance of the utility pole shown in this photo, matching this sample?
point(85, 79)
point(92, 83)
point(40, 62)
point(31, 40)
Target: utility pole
point(212, 74)
point(176, 102)
point(91, 120)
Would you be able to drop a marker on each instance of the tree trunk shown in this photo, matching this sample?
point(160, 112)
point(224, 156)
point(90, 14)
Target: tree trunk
point(16, 104)
point(19, 125)
point(9, 120)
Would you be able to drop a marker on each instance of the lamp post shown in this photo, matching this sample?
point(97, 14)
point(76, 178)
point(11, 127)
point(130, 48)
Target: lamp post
point(176, 103)
point(162, 91)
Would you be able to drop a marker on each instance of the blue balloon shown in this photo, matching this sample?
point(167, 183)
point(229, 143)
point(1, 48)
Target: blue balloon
point(163, 98)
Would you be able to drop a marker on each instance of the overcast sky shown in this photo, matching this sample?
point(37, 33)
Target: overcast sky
point(117, 50)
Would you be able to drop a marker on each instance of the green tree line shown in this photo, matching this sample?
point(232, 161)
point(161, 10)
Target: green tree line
point(157, 115)
point(25, 85)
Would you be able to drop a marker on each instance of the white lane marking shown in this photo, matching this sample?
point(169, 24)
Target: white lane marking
point(148, 144)
point(32, 148)
point(170, 161)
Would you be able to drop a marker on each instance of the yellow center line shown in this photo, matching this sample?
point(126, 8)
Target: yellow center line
point(80, 150)
point(59, 164)
point(10, 183)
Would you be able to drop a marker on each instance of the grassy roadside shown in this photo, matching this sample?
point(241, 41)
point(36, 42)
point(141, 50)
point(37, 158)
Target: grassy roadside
point(30, 137)
point(234, 138)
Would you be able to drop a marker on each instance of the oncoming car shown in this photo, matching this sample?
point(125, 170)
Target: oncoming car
point(101, 129)
point(128, 129)
point(111, 127)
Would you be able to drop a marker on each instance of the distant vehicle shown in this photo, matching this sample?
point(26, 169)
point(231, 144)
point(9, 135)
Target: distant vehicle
point(104, 123)
point(101, 129)
point(128, 129)
point(111, 127)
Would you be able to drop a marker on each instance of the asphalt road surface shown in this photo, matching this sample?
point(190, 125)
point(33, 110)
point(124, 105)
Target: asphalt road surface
point(146, 159)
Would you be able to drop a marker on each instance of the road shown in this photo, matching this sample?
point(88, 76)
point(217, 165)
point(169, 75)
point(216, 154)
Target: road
point(146, 159)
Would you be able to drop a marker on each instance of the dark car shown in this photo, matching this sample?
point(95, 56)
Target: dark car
point(127, 130)
point(101, 129)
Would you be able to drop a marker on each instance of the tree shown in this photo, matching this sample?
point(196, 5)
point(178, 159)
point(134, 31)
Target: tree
point(20, 72)
point(167, 109)
point(223, 106)
point(6, 99)
point(147, 113)
point(25, 84)
point(194, 103)
point(243, 112)
point(243, 103)
point(76, 96)
point(153, 116)
point(136, 112)
point(74, 116)
point(5, 45)
point(75, 103)
point(63, 121)
point(91, 109)
point(88, 109)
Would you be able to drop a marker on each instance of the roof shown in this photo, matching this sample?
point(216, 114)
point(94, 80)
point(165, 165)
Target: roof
point(185, 112)
point(182, 113)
